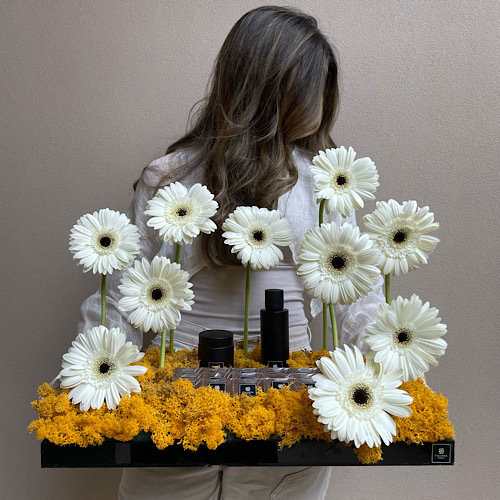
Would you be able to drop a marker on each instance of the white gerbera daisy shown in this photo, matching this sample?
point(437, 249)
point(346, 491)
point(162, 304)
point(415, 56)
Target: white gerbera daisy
point(343, 182)
point(255, 234)
point(355, 402)
point(104, 241)
point(407, 336)
point(155, 292)
point(337, 264)
point(96, 368)
point(180, 214)
point(399, 232)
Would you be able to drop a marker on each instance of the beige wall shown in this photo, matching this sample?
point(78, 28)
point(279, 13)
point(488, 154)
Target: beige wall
point(92, 91)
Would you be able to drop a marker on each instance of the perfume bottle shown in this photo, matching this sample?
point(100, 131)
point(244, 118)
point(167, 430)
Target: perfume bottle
point(216, 348)
point(274, 334)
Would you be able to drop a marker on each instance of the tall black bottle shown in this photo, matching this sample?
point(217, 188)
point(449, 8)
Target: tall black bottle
point(274, 330)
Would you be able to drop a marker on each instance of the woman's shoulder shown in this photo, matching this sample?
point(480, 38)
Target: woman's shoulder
point(302, 159)
point(169, 168)
point(303, 162)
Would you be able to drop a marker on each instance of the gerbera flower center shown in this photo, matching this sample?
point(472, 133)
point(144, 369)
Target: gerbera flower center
point(182, 211)
point(103, 367)
point(403, 337)
point(361, 396)
point(341, 180)
point(105, 241)
point(258, 236)
point(338, 263)
point(400, 236)
point(157, 293)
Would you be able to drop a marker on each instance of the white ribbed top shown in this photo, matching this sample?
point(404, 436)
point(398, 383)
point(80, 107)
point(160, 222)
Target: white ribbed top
point(220, 302)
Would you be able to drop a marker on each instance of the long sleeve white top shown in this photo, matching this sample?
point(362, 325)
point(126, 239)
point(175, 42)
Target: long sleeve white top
point(301, 210)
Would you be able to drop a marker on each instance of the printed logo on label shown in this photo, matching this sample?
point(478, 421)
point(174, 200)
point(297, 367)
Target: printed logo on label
point(308, 383)
point(248, 389)
point(275, 364)
point(216, 364)
point(278, 385)
point(441, 453)
point(221, 385)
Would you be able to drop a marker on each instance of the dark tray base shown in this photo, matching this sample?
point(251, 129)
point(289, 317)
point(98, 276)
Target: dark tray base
point(141, 452)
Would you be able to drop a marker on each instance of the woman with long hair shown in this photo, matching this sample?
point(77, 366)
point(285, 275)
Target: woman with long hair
point(270, 107)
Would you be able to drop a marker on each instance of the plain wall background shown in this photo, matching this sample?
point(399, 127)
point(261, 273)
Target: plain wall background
point(94, 90)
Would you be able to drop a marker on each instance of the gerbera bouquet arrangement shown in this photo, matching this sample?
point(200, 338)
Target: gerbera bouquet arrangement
point(355, 399)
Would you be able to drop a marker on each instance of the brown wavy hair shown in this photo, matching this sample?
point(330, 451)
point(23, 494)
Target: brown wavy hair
point(273, 88)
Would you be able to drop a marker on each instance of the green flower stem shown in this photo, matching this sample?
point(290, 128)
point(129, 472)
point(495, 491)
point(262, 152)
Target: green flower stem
point(177, 256)
point(247, 302)
point(325, 313)
point(334, 326)
point(103, 299)
point(388, 288)
point(325, 325)
point(162, 348)
point(177, 252)
point(321, 210)
point(171, 352)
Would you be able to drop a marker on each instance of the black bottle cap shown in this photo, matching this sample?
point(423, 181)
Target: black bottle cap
point(216, 338)
point(274, 299)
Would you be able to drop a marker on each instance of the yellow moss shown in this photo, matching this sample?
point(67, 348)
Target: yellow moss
point(429, 420)
point(251, 362)
point(252, 420)
point(306, 359)
point(367, 455)
point(175, 412)
point(203, 416)
point(301, 421)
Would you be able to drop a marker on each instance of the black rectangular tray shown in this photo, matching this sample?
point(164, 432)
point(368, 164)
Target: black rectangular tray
point(141, 452)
